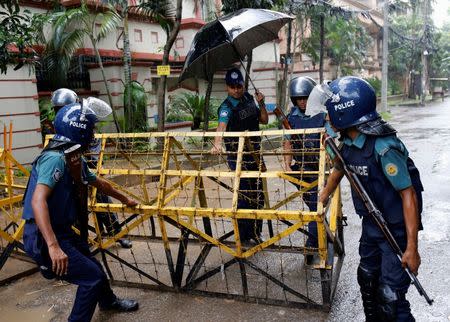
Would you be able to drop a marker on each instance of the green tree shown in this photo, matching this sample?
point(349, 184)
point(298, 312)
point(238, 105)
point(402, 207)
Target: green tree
point(408, 39)
point(156, 10)
point(171, 26)
point(138, 106)
point(69, 28)
point(346, 41)
point(440, 58)
point(193, 105)
point(405, 48)
point(19, 31)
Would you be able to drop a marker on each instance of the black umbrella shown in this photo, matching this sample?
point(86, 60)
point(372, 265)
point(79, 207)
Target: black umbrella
point(228, 39)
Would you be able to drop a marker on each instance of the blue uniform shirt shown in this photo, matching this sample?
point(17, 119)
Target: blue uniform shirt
point(50, 168)
point(225, 111)
point(295, 111)
point(392, 156)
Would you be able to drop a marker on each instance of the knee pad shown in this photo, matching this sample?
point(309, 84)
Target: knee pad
point(368, 282)
point(387, 303)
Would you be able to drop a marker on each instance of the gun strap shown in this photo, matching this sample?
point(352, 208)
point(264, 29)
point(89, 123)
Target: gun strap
point(75, 165)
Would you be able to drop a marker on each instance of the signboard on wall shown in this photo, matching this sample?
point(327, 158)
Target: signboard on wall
point(163, 70)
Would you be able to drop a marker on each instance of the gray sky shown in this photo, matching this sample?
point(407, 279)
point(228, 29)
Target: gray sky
point(440, 12)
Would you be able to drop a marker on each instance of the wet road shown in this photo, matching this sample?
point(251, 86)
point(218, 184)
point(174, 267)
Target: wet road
point(424, 130)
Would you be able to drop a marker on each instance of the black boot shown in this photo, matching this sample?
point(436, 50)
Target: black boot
point(121, 305)
point(125, 243)
point(368, 282)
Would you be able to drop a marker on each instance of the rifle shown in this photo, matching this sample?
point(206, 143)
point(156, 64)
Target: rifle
point(376, 215)
point(75, 165)
point(283, 118)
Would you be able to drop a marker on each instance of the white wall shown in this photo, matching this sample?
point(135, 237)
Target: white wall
point(188, 9)
point(265, 52)
point(19, 104)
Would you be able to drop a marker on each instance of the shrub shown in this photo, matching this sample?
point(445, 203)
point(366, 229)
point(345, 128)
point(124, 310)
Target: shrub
point(189, 106)
point(376, 84)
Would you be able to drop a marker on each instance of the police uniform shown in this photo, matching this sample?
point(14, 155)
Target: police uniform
point(307, 162)
point(383, 167)
point(381, 162)
point(243, 115)
point(83, 269)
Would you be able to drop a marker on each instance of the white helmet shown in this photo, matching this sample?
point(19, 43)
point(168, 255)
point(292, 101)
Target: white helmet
point(63, 96)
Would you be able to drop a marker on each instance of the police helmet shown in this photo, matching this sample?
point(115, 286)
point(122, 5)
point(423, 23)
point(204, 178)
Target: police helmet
point(351, 101)
point(63, 96)
point(75, 122)
point(300, 87)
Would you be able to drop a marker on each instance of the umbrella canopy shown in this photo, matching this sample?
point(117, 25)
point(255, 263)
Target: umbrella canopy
point(228, 39)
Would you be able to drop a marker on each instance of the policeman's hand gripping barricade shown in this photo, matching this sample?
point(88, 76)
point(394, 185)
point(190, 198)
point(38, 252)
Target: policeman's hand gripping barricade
point(74, 162)
point(371, 207)
point(376, 215)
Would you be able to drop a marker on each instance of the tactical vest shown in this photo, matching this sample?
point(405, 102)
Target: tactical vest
point(364, 163)
point(62, 203)
point(309, 144)
point(244, 117)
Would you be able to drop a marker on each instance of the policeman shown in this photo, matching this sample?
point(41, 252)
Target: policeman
point(110, 221)
point(60, 98)
point(238, 112)
point(51, 207)
point(307, 147)
point(373, 151)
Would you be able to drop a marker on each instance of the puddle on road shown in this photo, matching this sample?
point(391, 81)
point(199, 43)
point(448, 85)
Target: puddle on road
point(21, 314)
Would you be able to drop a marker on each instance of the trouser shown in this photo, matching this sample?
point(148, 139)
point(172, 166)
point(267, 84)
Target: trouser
point(250, 196)
point(310, 199)
point(83, 270)
point(392, 282)
point(108, 221)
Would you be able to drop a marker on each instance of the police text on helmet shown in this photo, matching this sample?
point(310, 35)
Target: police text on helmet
point(344, 105)
point(78, 125)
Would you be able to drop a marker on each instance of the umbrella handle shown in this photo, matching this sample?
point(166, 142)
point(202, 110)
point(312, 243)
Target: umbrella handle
point(247, 72)
point(242, 63)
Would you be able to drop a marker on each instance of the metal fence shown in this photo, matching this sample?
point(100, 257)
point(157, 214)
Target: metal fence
point(186, 227)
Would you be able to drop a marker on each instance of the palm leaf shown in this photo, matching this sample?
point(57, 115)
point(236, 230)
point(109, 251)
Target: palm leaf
point(110, 20)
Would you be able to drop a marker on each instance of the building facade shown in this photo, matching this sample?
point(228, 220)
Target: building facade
point(21, 90)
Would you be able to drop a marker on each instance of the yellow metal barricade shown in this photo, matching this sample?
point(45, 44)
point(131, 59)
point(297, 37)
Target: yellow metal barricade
point(13, 180)
point(186, 227)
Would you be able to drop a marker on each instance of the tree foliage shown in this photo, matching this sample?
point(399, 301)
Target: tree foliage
point(138, 106)
point(160, 11)
point(346, 40)
point(234, 5)
point(69, 29)
point(410, 38)
point(19, 31)
point(404, 54)
point(440, 57)
point(193, 105)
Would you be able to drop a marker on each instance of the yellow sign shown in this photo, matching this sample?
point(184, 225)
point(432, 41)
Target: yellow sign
point(163, 70)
